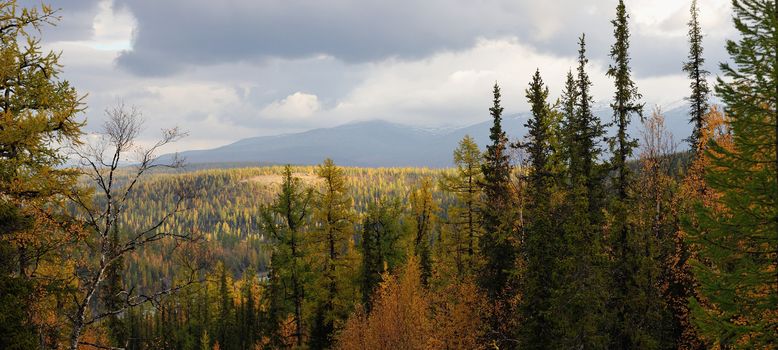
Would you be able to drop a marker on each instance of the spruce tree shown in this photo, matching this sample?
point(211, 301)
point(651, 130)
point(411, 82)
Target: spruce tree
point(539, 247)
point(578, 304)
point(737, 234)
point(381, 251)
point(634, 293)
point(694, 67)
point(625, 102)
point(498, 243)
point(285, 220)
point(567, 108)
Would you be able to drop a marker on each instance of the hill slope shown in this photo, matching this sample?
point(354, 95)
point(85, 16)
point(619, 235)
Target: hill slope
point(383, 144)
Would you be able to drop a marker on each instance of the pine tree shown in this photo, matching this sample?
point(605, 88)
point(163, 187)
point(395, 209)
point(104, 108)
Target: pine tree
point(464, 215)
point(334, 218)
point(737, 234)
point(498, 242)
point(694, 67)
point(286, 221)
point(540, 241)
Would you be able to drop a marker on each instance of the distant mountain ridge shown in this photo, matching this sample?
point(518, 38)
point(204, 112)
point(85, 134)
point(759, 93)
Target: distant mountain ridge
point(379, 143)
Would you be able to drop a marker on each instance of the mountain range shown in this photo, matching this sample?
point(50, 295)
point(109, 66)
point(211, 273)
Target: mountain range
point(380, 143)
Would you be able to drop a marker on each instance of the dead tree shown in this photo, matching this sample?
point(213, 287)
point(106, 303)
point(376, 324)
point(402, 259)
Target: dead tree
point(111, 183)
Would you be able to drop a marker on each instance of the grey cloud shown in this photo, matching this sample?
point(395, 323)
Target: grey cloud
point(206, 32)
point(174, 34)
point(76, 18)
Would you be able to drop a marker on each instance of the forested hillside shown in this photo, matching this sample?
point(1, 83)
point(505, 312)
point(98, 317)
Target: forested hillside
point(571, 237)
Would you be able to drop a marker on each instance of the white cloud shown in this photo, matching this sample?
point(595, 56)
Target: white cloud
point(296, 105)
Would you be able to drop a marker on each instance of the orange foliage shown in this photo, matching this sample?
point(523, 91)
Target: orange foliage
point(681, 282)
point(407, 316)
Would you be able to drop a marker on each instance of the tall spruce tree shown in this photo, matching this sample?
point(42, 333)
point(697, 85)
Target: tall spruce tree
point(334, 217)
point(540, 242)
point(625, 101)
point(737, 234)
point(498, 243)
point(578, 304)
point(633, 296)
point(286, 221)
point(694, 67)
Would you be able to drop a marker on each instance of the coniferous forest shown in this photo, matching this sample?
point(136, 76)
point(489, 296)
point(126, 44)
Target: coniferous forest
point(570, 237)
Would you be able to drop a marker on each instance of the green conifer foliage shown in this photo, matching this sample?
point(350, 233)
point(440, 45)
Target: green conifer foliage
point(381, 249)
point(286, 219)
point(578, 305)
point(540, 244)
point(498, 244)
point(737, 234)
point(694, 67)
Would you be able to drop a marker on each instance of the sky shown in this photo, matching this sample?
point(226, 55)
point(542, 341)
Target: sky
point(227, 70)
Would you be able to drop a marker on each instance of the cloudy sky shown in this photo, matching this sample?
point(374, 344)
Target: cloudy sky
point(226, 70)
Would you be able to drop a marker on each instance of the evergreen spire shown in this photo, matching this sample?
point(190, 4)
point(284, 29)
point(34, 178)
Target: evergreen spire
point(625, 101)
point(539, 248)
point(698, 99)
point(578, 304)
point(497, 242)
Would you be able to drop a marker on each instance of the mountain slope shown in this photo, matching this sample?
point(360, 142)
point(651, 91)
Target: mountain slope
point(382, 144)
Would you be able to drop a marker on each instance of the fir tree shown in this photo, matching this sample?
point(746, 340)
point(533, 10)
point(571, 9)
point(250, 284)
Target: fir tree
point(737, 234)
point(694, 67)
